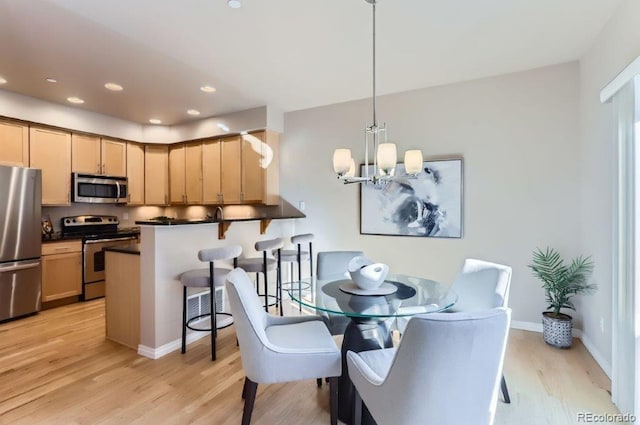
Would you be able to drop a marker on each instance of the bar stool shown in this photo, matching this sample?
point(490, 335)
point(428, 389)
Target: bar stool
point(211, 278)
point(264, 265)
point(297, 256)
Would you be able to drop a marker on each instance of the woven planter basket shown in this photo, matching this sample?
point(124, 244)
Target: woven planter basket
point(557, 331)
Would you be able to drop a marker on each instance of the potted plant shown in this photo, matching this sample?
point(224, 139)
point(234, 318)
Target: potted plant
point(560, 283)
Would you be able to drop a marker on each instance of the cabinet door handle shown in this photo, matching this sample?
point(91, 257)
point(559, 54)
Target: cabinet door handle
point(98, 168)
point(62, 248)
point(128, 198)
point(165, 199)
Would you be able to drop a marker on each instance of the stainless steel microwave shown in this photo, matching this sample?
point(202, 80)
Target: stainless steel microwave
point(92, 188)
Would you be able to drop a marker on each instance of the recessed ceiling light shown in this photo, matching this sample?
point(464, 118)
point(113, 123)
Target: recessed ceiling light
point(113, 87)
point(208, 89)
point(234, 4)
point(3, 81)
point(155, 121)
point(51, 80)
point(193, 112)
point(223, 127)
point(74, 99)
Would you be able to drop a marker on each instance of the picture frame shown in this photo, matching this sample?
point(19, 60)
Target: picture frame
point(426, 205)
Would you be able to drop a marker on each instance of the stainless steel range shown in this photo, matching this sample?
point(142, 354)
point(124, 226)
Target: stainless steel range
point(97, 232)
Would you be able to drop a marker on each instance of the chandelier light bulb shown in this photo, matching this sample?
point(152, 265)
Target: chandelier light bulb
point(413, 161)
point(342, 161)
point(387, 157)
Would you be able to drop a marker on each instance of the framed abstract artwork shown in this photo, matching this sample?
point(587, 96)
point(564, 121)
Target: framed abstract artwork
point(427, 205)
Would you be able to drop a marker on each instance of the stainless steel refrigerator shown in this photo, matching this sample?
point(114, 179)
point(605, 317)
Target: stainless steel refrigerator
point(20, 241)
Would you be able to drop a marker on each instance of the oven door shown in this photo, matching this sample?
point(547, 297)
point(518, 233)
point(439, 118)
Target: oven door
point(99, 189)
point(93, 266)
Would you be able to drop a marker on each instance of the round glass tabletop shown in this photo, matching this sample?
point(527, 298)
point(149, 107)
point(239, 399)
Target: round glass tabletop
point(412, 295)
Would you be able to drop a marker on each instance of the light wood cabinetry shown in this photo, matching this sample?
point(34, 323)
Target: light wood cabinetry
point(211, 183)
point(241, 169)
point(185, 173)
point(231, 170)
point(61, 270)
point(135, 173)
point(156, 174)
point(14, 144)
point(94, 155)
point(253, 173)
point(122, 298)
point(50, 151)
point(114, 157)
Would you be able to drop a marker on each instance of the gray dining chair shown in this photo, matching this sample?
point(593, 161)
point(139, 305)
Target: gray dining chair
point(445, 371)
point(276, 349)
point(480, 285)
point(332, 265)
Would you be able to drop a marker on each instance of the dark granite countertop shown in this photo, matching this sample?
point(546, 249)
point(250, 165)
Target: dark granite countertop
point(233, 213)
point(57, 237)
point(133, 249)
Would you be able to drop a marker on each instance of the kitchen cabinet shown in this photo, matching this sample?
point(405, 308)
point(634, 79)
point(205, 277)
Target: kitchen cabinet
point(231, 170)
point(122, 298)
point(95, 155)
point(61, 270)
point(185, 173)
point(135, 174)
point(50, 151)
point(241, 169)
point(156, 174)
point(14, 144)
point(211, 184)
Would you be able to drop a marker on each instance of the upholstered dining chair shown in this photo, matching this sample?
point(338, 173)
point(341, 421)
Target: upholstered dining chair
point(445, 371)
point(277, 349)
point(332, 265)
point(482, 285)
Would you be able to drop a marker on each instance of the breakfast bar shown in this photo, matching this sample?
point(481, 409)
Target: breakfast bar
point(170, 246)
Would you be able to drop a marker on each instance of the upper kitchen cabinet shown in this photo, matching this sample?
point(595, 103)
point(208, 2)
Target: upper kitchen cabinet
point(185, 173)
point(211, 183)
point(260, 167)
point(14, 144)
point(156, 174)
point(231, 170)
point(114, 157)
point(135, 173)
point(94, 155)
point(50, 151)
point(241, 169)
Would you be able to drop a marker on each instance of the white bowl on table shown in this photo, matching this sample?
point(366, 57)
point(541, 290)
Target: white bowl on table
point(366, 274)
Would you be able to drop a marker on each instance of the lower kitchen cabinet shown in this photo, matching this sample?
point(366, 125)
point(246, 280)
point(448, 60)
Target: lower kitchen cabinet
point(61, 270)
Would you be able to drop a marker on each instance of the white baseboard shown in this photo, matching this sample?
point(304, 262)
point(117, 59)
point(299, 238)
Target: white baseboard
point(577, 333)
point(163, 350)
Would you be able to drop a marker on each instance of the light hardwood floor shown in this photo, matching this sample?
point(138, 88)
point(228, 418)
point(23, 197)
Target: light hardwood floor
point(57, 368)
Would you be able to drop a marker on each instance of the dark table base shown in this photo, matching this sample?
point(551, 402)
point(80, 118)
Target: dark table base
point(360, 335)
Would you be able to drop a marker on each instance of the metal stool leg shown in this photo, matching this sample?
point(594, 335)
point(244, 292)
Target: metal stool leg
point(184, 319)
point(266, 281)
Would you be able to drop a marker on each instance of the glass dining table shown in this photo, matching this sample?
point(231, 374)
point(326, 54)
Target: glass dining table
point(372, 316)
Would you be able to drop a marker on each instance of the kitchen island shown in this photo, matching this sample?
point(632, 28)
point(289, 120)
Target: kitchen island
point(170, 247)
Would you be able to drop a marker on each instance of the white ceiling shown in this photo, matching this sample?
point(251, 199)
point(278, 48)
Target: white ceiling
point(290, 54)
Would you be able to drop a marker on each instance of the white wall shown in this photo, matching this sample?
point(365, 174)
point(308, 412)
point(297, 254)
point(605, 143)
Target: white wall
point(518, 135)
point(616, 46)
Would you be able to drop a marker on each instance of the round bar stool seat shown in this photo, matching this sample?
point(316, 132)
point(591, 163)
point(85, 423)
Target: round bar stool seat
point(264, 265)
point(211, 277)
point(256, 264)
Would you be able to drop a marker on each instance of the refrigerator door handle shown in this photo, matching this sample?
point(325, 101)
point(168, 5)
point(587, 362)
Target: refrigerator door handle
point(16, 267)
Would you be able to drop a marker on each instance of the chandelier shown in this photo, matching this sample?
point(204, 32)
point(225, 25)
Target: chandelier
point(385, 158)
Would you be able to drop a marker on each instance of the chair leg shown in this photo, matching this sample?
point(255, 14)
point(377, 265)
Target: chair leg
point(184, 319)
point(249, 399)
point(244, 388)
point(357, 409)
point(319, 382)
point(505, 391)
point(333, 399)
